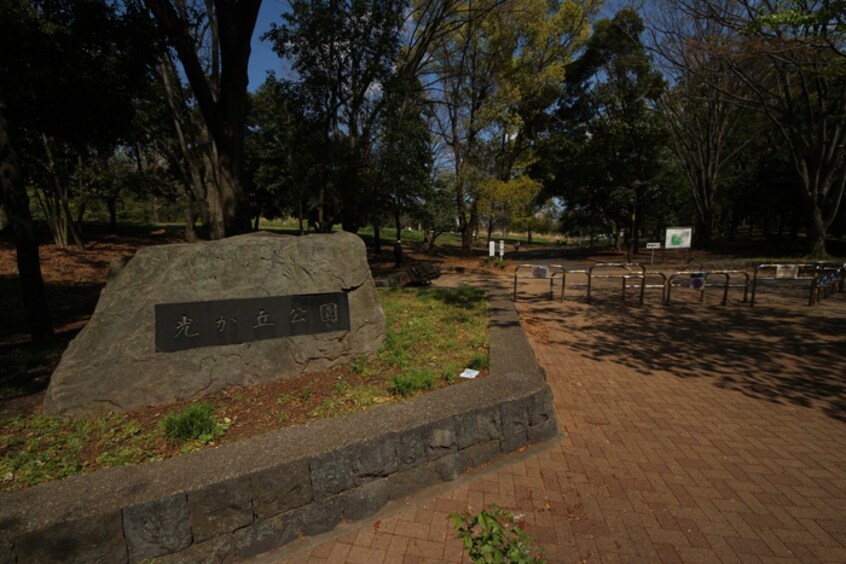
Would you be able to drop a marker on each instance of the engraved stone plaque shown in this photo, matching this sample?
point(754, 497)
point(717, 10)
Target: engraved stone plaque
point(190, 325)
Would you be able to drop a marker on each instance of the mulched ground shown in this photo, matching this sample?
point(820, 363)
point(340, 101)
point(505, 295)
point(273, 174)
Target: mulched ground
point(74, 279)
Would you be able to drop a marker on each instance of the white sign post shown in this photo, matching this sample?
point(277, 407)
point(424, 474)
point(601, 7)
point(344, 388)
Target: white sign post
point(501, 249)
point(492, 249)
point(652, 247)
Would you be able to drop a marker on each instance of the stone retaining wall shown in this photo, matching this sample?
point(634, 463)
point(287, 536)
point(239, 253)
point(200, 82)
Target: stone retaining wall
point(248, 497)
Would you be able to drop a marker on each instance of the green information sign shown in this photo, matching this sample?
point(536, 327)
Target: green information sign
point(678, 237)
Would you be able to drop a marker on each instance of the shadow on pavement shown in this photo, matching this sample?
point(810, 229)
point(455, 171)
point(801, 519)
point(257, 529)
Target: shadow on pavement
point(781, 352)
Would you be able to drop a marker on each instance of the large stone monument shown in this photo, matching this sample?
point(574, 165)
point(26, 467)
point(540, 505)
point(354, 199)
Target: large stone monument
point(178, 322)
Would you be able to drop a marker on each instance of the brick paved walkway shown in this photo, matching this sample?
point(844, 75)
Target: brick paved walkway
point(691, 434)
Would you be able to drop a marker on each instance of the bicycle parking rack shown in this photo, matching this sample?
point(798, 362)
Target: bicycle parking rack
point(540, 272)
point(826, 280)
point(704, 275)
point(823, 277)
point(662, 285)
point(566, 273)
point(625, 276)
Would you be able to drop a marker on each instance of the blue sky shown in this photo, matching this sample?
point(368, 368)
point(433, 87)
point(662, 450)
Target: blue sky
point(262, 58)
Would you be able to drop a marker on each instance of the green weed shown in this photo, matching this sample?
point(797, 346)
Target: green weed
point(41, 448)
point(494, 536)
point(306, 393)
point(359, 365)
point(449, 374)
point(353, 398)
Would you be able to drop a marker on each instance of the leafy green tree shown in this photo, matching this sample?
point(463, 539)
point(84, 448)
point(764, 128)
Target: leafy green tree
point(436, 210)
point(608, 135)
point(288, 152)
point(402, 157)
point(494, 70)
point(71, 88)
point(68, 88)
point(343, 53)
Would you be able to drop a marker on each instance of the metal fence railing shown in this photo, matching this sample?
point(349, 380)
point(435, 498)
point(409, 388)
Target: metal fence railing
point(823, 278)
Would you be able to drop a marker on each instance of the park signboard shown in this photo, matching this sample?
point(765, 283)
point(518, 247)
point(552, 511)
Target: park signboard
point(678, 237)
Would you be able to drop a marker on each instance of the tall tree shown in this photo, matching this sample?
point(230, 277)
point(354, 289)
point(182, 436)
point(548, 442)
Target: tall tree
point(15, 205)
point(402, 158)
point(500, 59)
point(606, 117)
point(706, 126)
point(287, 145)
point(221, 30)
point(792, 66)
point(343, 52)
point(79, 64)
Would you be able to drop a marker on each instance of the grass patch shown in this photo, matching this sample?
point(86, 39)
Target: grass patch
point(430, 330)
point(191, 423)
point(432, 334)
point(408, 384)
point(479, 361)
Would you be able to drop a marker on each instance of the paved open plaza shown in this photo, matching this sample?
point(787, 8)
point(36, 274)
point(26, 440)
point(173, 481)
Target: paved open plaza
point(689, 433)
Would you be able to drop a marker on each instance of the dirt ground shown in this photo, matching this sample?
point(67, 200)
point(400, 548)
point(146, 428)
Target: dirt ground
point(74, 279)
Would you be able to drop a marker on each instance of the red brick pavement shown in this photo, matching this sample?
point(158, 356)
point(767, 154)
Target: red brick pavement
point(690, 434)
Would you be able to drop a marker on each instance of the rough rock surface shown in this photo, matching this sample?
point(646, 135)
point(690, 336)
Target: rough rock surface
point(113, 363)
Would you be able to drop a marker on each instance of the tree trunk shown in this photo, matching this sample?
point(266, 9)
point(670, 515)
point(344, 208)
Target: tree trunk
point(16, 204)
point(190, 218)
point(157, 218)
point(467, 231)
point(816, 232)
point(111, 204)
point(704, 225)
point(233, 205)
point(221, 98)
point(634, 236)
point(80, 213)
point(377, 238)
